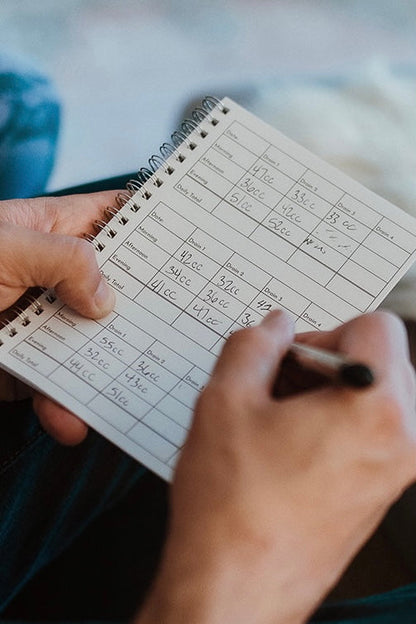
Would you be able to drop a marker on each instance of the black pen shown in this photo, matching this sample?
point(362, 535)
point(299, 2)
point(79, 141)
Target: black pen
point(336, 366)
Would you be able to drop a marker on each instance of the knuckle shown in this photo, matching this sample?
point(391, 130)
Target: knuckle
point(77, 259)
point(77, 275)
point(81, 252)
point(392, 421)
point(387, 324)
point(386, 320)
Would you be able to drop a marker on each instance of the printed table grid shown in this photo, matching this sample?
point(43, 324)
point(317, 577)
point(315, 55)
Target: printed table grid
point(291, 254)
point(63, 381)
point(343, 192)
point(338, 270)
point(303, 242)
point(292, 157)
point(186, 310)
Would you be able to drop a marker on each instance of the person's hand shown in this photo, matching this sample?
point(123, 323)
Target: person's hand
point(40, 245)
point(272, 497)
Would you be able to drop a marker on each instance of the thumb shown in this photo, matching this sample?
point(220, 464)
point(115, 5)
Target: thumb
point(65, 263)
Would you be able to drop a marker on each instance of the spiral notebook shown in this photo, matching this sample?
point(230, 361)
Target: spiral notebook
point(230, 220)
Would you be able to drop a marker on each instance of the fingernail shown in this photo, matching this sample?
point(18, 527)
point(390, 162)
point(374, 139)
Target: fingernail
point(104, 297)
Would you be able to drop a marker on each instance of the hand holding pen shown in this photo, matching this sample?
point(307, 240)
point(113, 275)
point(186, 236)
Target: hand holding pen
point(287, 487)
point(317, 359)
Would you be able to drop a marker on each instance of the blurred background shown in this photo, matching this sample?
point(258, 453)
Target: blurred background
point(124, 70)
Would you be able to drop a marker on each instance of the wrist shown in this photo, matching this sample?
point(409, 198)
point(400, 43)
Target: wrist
point(236, 587)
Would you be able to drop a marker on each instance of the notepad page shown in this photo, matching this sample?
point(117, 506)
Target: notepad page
point(248, 222)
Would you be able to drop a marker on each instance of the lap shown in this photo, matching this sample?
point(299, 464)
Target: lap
point(50, 493)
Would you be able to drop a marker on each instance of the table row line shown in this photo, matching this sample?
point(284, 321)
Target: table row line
point(229, 292)
point(133, 392)
point(299, 207)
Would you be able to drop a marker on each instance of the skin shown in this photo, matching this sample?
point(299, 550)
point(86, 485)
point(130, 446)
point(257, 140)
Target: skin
point(273, 495)
point(40, 245)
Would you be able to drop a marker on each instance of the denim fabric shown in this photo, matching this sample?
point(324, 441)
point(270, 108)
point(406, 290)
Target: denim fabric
point(50, 493)
point(29, 123)
point(394, 607)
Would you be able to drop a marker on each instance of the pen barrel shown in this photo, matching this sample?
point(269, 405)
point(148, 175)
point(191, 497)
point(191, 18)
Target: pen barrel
point(335, 366)
point(318, 358)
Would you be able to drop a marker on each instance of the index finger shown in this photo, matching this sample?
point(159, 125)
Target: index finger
point(251, 357)
point(75, 214)
point(70, 214)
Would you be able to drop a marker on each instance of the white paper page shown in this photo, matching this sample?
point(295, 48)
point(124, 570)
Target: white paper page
point(248, 222)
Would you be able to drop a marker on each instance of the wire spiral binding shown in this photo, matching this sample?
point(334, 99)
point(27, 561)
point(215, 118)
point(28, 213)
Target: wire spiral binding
point(35, 304)
point(145, 183)
point(180, 141)
point(19, 314)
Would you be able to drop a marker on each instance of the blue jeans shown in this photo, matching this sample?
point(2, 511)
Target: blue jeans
point(29, 123)
point(49, 493)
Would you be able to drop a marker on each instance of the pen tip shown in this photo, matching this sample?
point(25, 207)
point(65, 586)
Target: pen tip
point(357, 375)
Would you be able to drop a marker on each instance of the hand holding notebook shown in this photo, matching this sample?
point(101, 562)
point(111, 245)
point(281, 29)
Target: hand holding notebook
point(56, 258)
